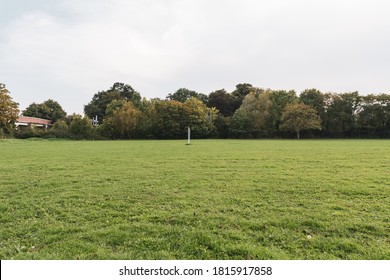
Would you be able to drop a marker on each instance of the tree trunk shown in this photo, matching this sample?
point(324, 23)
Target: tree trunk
point(298, 135)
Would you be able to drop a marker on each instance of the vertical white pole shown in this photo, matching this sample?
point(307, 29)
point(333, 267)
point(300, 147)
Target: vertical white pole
point(189, 136)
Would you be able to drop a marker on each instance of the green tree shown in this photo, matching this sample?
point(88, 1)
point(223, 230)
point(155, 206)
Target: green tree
point(81, 128)
point(119, 91)
point(122, 121)
point(36, 110)
point(222, 126)
point(184, 94)
point(253, 117)
point(373, 120)
point(280, 99)
point(169, 119)
point(314, 98)
point(50, 110)
point(147, 120)
point(9, 111)
point(56, 112)
point(239, 94)
point(113, 106)
point(341, 114)
point(242, 90)
point(199, 118)
point(60, 129)
point(297, 117)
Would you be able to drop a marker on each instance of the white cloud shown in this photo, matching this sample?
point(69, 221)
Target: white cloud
point(70, 52)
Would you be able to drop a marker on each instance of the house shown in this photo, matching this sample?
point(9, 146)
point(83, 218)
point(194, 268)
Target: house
point(23, 121)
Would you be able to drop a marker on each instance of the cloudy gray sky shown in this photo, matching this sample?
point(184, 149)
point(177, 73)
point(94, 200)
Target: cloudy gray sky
point(68, 50)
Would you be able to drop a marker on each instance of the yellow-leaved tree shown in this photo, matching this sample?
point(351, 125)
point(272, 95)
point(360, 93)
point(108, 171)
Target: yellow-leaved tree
point(9, 110)
point(297, 117)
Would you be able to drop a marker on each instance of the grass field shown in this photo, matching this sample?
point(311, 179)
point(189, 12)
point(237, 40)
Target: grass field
point(214, 199)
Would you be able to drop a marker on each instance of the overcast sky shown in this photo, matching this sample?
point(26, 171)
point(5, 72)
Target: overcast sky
point(68, 50)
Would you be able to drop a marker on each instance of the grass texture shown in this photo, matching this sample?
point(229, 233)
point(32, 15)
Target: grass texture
point(213, 199)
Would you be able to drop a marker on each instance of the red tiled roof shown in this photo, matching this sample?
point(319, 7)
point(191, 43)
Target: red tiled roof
point(32, 120)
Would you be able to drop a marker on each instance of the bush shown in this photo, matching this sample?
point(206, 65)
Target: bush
point(81, 128)
point(60, 129)
point(26, 132)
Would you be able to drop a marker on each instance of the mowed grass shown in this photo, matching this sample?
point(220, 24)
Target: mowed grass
point(214, 199)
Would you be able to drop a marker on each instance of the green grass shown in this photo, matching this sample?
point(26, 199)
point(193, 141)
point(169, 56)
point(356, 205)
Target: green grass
point(214, 199)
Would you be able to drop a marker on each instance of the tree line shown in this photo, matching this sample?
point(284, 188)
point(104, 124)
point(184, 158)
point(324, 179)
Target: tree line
point(120, 112)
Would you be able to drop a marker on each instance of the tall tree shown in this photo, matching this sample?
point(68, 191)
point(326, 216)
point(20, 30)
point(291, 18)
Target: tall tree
point(122, 121)
point(239, 94)
point(374, 116)
point(341, 114)
point(253, 117)
point(314, 98)
point(9, 111)
point(119, 91)
point(147, 120)
point(56, 112)
point(50, 110)
point(199, 118)
point(297, 117)
point(242, 90)
point(280, 99)
point(183, 94)
point(223, 101)
point(168, 119)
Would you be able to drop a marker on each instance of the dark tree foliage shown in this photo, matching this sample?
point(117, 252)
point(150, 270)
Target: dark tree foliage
point(373, 120)
point(81, 128)
point(225, 102)
point(169, 120)
point(183, 94)
point(119, 91)
point(280, 99)
point(341, 114)
point(314, 98)
point(222, 125)
point(239, 94)
point(50, 110)
point(60, 129)
point(247, 112)
point(242, 90)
